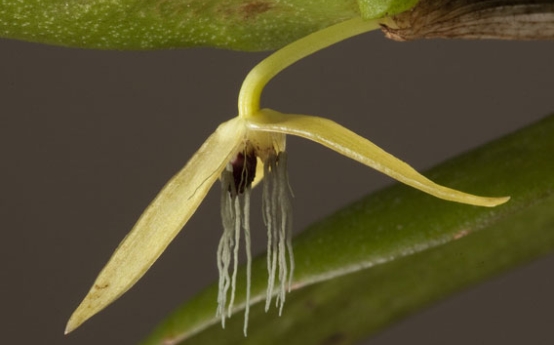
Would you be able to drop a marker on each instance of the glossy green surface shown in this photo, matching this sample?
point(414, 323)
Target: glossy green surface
point(157, 24)
point(406, 249)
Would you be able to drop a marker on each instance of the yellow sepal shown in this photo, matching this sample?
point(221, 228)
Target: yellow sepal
point(350, 144)
point(161, 221)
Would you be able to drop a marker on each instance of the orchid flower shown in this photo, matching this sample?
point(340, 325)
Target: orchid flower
point(242, 152)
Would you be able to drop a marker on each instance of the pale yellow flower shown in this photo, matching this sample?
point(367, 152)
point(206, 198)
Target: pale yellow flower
point(242, 152)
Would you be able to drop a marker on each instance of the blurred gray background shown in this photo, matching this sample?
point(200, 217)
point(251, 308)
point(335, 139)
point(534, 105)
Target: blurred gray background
point(87, 138)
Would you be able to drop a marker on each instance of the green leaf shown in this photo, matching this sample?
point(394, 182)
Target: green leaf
point(396, 251)
point(383, 8)
point(155, 24)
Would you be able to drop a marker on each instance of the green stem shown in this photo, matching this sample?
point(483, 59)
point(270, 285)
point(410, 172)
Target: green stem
point(259, 76)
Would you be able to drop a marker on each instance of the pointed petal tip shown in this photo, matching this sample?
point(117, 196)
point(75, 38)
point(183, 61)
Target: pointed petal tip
point(493, 202)
point(68, 329)
point(482, 201)
point(84, 311)
point(465, 198)
point(72, 324)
